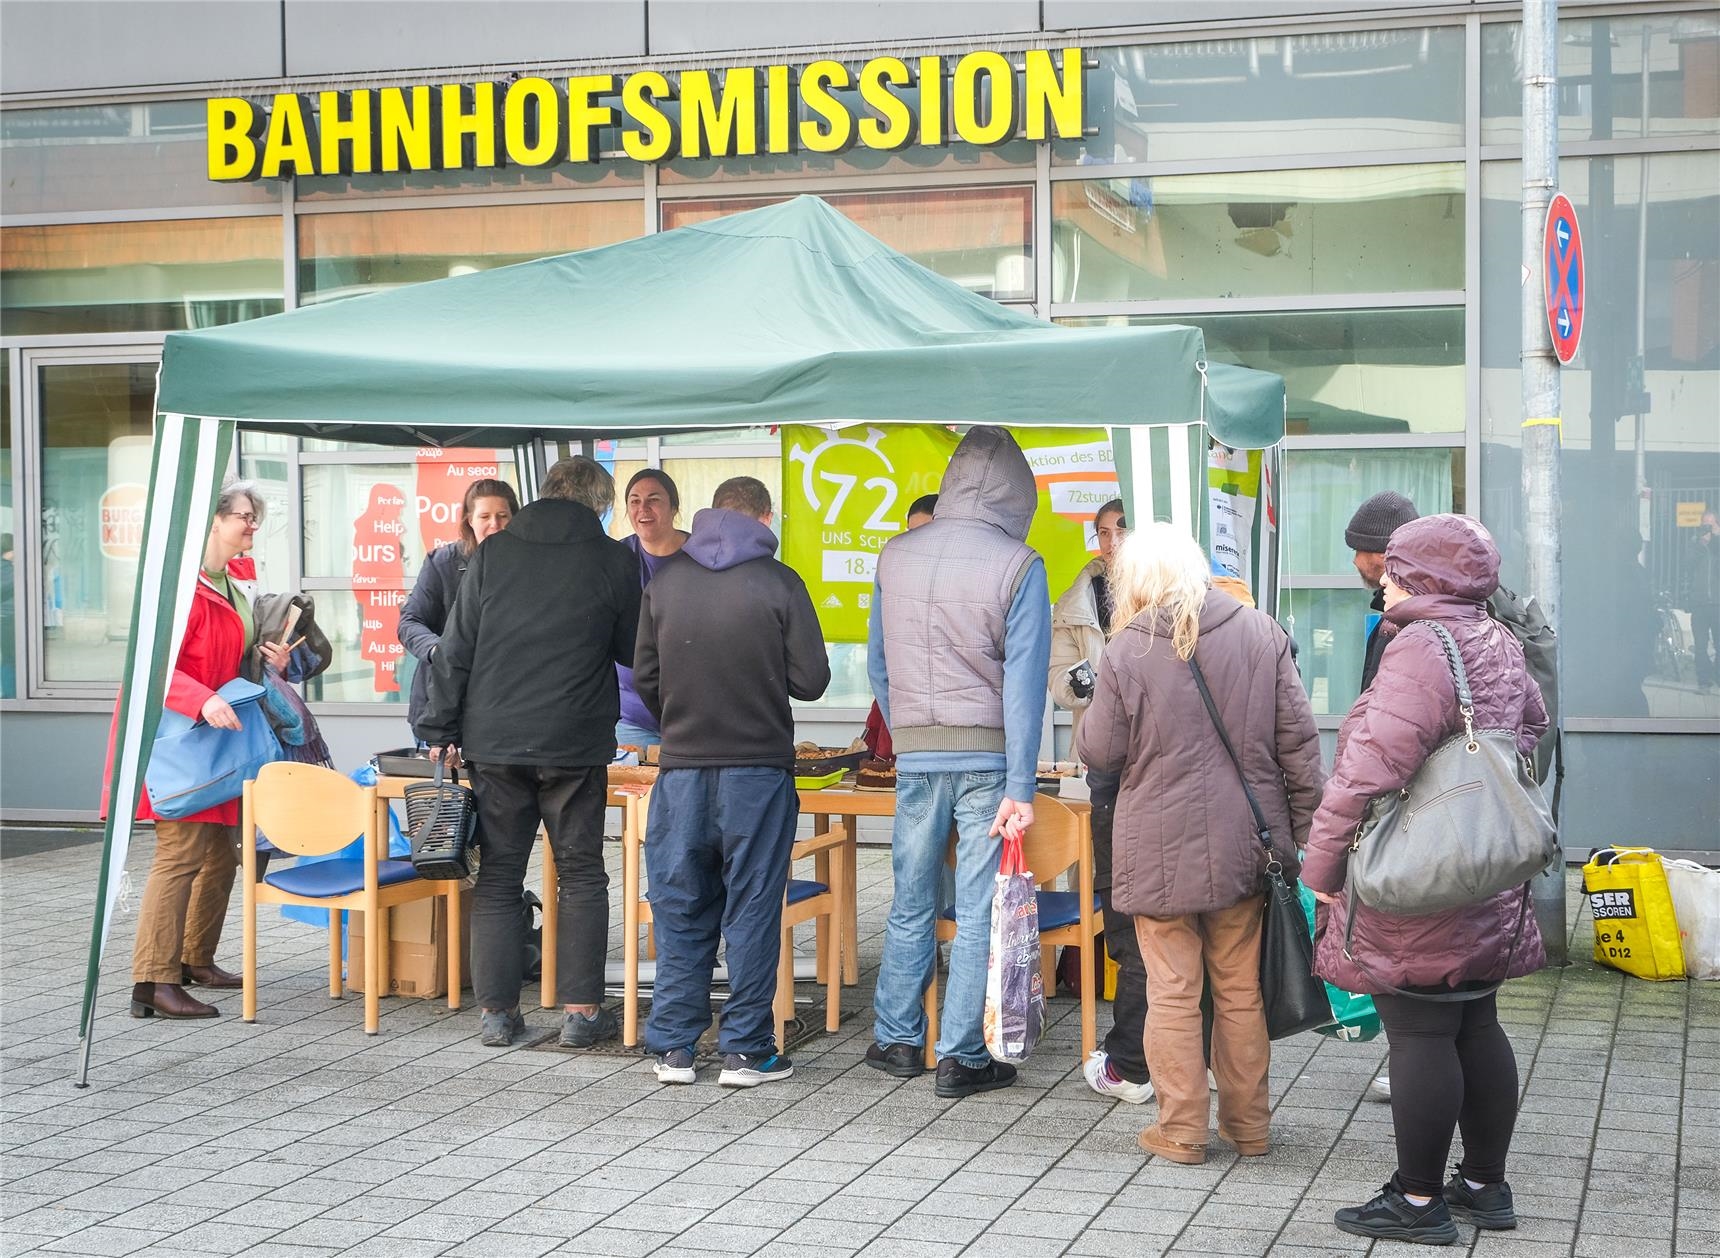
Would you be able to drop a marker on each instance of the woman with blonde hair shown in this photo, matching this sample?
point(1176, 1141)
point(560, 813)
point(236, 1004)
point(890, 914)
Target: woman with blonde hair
point(1187, 865)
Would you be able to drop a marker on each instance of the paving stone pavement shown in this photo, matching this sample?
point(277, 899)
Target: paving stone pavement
point(300, 1136)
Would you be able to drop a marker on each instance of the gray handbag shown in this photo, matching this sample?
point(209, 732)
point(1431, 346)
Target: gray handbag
point(1471, 823)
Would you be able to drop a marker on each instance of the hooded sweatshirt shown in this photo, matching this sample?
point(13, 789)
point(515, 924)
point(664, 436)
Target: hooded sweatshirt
point(960, 631)
point(525, 673)
point(727, 636)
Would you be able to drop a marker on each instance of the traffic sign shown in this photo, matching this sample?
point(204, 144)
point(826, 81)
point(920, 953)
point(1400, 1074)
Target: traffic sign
point(1562, 255)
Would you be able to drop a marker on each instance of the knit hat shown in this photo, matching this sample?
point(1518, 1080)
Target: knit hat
point(1371, 528)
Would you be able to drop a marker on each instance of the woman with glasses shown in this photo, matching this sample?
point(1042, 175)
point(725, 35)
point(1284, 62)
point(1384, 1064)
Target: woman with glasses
point(191, 872)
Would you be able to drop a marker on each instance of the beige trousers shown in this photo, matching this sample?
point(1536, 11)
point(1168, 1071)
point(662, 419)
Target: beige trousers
point(1224, 946)
point(185, 899)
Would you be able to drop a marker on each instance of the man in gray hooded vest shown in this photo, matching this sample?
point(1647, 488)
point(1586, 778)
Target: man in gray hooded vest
point(960, 641)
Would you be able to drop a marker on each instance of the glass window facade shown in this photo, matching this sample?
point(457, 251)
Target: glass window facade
point(9, 547)
point(138, 277)
point(1641, 433)
point(1625, 77)
point(97, 426)
point(1259, 234)
point(982, 238)
point(346, 254)
point(1330, 92)
point(114, 157)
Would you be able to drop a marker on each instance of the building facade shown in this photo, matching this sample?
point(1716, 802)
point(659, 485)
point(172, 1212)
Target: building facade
point(1329, 189)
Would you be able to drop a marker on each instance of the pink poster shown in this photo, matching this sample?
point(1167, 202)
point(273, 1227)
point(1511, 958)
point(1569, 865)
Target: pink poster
point(378, 575)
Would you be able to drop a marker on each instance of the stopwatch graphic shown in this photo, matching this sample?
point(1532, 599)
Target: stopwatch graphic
point(842, 484)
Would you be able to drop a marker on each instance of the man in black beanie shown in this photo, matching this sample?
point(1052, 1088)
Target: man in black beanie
point(1367, 534)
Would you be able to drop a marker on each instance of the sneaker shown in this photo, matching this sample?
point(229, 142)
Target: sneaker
point(904, 1061)
point(1380, 1088)
point(1105, 1082)
point(497, 1027)
point(1489, 1207)
point(956, 1080)
point(1392, 1216)
point(1211, 1081)
point(675, 1066)
point(741, 1071)
point(580, 1030)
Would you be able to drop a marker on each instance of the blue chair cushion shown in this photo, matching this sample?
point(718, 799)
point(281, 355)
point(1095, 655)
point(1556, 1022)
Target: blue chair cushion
point(802, 889)
point(323, 879)
point(1057, 909)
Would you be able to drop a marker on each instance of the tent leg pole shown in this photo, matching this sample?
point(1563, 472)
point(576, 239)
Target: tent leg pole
point(86, 1041)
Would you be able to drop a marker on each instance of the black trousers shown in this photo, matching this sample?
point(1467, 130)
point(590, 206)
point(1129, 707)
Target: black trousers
point(569, 802)
point(1125, 1043)
point(1452, 1069)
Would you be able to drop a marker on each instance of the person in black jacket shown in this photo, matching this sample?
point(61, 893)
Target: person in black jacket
point(523, 684)
point(484, 512)
point(727, 636)
point(1367, 533)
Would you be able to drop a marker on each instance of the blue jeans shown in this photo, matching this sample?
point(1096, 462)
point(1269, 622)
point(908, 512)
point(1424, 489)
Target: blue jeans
point(717, 853)
point(927, 804)
point(636, 735)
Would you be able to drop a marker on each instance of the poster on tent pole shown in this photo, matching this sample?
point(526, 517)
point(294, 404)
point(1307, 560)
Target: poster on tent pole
point(846, 492)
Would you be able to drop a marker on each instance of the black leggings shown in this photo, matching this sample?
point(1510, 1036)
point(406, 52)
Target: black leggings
point(1451, 1068)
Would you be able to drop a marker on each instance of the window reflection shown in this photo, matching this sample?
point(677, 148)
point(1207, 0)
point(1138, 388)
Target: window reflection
point(1622, 77)
point(1641, 458)
point(10, 558)
point(1270, 233)
point(982, 238)
point(343, 255)
point(137, 277)
point(1329, 92)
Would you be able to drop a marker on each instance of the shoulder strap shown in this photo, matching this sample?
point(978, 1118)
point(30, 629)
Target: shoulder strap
point(1453, 658)
point(1262, 831)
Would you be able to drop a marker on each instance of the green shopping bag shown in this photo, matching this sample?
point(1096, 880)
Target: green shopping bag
point(1353, 1017)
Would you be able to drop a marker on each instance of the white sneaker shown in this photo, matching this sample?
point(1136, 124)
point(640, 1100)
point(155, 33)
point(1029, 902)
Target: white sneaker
point(1104, 1085)
point(1380, 1089)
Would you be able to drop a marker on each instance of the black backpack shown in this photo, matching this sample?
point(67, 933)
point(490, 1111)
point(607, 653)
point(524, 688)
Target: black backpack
point(1528, 624)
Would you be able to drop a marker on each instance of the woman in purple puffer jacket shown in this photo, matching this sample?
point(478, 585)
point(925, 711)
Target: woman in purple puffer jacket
point(1451, 1064)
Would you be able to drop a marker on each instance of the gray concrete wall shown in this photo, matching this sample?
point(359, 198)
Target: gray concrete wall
point(72, 45)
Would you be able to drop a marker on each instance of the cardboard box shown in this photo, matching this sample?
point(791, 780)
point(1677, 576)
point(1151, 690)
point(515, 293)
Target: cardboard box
point(418, 957)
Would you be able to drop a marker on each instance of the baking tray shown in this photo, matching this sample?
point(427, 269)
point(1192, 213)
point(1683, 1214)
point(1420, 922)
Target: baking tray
point(822, 766)
point(405, 762)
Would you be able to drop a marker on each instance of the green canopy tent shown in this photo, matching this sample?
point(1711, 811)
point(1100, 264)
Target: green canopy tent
point(785, 313)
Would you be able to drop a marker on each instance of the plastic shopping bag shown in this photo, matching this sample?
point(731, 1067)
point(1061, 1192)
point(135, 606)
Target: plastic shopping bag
point(1636, 927)
point(1696, 900)
point(1014, 988)
point(1353, 1015)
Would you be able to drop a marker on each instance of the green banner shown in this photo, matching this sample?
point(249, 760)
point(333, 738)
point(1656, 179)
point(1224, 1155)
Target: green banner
point(846, 492)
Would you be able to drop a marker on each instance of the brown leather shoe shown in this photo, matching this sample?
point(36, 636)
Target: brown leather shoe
point(1155, 1142)
point(169, 1000)
point(210, 976)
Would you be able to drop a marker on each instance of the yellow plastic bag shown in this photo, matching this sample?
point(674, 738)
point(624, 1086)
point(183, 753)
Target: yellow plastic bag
point(1636, 928)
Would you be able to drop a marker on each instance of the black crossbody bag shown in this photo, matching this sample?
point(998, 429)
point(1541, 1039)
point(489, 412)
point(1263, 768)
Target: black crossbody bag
point(1294, 999)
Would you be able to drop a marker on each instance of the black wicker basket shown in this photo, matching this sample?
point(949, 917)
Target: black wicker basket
point(442, 818)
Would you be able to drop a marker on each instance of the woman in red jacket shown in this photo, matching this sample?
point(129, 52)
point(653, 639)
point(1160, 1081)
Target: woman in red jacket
point(196, 857)
point(1432, 976)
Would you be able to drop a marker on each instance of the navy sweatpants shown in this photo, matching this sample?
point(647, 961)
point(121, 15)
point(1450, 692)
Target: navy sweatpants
point(717, 855)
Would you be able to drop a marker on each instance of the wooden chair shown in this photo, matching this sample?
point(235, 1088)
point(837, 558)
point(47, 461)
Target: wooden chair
point(804, 901)
point(1060, 839)
point(306, 810)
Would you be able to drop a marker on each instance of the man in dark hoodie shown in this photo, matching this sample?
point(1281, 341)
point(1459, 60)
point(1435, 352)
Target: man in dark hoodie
point(960, 646)
point(524, 684)
point(727, 636)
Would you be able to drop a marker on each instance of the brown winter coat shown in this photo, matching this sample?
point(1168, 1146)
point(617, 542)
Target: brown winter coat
point(1183, 840)
point(1449, 565)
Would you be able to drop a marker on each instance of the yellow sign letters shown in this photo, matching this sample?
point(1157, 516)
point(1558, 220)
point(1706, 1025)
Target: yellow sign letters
point(825, 107)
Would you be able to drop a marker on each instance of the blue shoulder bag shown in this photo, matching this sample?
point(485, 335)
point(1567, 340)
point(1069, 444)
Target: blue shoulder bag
point(193, 766)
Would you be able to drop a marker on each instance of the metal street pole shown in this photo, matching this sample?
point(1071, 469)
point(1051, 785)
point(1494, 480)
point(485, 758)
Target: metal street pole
point(1541, 401)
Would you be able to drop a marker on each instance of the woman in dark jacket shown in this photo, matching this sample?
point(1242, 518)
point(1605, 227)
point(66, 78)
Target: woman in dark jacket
point(1186, 864)
point(486, 509)
point(653, 503)
point(1451, 1064)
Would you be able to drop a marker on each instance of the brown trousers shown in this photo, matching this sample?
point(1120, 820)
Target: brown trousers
point(185, 899)
point(1224, 947)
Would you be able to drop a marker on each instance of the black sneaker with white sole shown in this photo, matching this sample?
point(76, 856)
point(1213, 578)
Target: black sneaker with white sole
point(675, 1066)
point(1393, 1216)
point(742, 1071)
point(1489, 1207)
